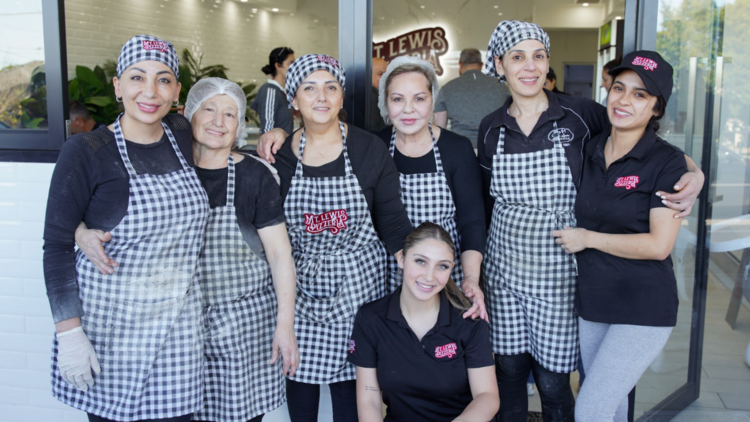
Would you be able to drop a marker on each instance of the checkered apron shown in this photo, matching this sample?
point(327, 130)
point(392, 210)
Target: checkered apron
point(239, 305)
point(341, 265)
point(144, 320)
point(427, 197)
point(530, 280)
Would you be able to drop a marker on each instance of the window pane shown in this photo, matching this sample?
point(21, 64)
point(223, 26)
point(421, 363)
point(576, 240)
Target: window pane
point(23, 95)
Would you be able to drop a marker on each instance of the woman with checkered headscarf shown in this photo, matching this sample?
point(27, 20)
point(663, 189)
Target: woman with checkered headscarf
point(531, 154)
point(129, 343)
point(341, 197)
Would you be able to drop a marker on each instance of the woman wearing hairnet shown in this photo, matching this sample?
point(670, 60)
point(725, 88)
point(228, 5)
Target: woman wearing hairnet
point(246, 266)
point(129, 346)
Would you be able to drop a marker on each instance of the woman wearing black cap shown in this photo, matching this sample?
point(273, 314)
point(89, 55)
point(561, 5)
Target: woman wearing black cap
point(276, 118)
point(129, 345)
point(531, 154)
point(626, 299)
point(341, 197)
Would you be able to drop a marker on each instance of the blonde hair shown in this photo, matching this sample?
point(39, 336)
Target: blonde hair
point(427, 231)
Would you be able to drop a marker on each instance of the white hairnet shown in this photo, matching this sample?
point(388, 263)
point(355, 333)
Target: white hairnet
point(393, 65)
point(207, 88)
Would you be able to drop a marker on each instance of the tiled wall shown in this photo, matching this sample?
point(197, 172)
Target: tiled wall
point(26, 326)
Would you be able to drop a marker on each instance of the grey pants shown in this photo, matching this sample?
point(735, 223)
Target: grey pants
point(614, 358)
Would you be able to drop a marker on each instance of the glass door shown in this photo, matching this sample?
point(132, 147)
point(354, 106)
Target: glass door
point(708, 118)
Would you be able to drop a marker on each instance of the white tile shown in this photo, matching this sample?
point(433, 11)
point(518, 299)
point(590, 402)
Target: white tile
point(12, 360)
point(33, 211)
point(9, 211)
point(12, 324)
point(34, 288)
point(29, 414)
point(14, 396)
point(47, 401)
point(39, 362)
point(20, 268)
point(72, 415)
point(32, 250)
point(25, 306)
point(39, 325)
point(24, 192)
point(7, 172)
point(10, 249)
point(11, 286)
point(20, 230)
point(737, 400)
point(24, 379)
point(26, 343)
point(39, 173)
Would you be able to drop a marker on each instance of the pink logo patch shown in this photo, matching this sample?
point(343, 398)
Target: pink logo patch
point(352, 346)
point(156, 45)
point(627, 182)
point(647, 64)
point(449, 350)
point(330, 220)
point(327, 59)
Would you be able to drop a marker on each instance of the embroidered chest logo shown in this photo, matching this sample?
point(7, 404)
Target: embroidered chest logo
point(627, 182)
point(334, 220)
point(562, 134)
point(156, 45)
point(647, 64)
point(352, 346)
point(447, 351)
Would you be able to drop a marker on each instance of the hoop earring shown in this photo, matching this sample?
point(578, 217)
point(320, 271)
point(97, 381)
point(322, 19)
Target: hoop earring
point(176, 103)
point(118, 99)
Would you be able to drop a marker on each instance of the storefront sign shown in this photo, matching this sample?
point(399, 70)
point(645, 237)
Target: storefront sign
point(427, 43)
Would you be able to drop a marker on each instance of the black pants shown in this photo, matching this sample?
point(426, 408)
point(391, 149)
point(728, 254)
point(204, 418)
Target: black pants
point(183, 418)
point(303, 400)
point(554, 390)
point(258, 418)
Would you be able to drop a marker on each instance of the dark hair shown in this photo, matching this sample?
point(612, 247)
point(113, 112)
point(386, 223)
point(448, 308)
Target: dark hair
point(427, 231)
point(660, 108)
point(612, 64)
point(470, 56)
point(77, 109)
point(551, 74)
point(277, 56)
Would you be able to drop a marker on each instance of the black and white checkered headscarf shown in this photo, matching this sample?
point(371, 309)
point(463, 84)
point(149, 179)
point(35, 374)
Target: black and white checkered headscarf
point(307, 64)
point(508, 34)
point(145, 47)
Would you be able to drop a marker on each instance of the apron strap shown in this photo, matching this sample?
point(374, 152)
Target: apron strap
point(438, 160)
point(230, 180)
point(123, 150)
point(303, 140)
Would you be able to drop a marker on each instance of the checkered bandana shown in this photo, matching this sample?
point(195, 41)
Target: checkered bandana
point(508, 34)
point(307, 64)
point(145, 47)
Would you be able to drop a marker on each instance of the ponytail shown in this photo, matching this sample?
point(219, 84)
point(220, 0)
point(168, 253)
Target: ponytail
point(277, 56)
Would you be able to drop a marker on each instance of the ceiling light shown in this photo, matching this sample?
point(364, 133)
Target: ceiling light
point(254, 10)
point(618, 17)
point(499, 14)
point(585, 5)
point(244, 1)
point(495, 6)
point(275, 9)
point(421, 7)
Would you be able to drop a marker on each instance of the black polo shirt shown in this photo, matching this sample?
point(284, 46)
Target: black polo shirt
point(618, 200)
point(421, 380)
point(578, 120)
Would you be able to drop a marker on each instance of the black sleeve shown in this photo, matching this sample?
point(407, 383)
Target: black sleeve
point(485, 167)
point(595, 116)
point(268, 205)
point(71, 188)
point(466, 187)
point(477, 347)
point(362, 347)
point(286, 165)
point(674, 167)
point(388, 212)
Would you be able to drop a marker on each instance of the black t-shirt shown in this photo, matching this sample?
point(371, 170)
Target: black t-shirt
point(578, 120)
point(257, 200)
point(464, 180)
point(377, 176)
point(618, 200)
point(423, 380)
point(90, 184)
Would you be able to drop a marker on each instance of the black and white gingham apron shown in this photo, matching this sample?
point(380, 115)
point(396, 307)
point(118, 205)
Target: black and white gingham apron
point(427, 197)
point(239, 304)
point(144, 320)
point(341, 264)
point(530, 280)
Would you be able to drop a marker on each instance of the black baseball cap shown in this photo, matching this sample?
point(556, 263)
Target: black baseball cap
point(654, 71)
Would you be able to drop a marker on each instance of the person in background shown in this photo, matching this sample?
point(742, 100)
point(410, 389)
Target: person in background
point(607, 78)
point(440, 177)
point(531, 154)
point(80, 119)
point(129, 345)
point(452, 377)
point(467, 99)
point(626, 299)
point(376, 120)
point(341, 197)
point(276, 118)
point(550, 82)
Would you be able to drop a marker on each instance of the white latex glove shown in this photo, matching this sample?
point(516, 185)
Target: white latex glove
point(76, 358)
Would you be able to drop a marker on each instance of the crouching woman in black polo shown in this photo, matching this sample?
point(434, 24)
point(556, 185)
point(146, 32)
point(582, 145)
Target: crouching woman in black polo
point(626, 298)
point(431, 364)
